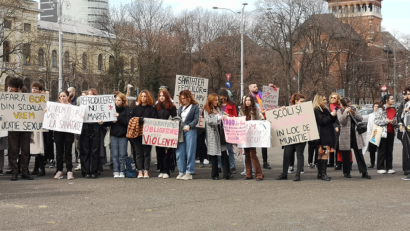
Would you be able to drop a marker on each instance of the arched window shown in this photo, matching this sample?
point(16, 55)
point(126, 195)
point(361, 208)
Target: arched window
point(54, 58)
point(346, 10)
point(334, 10)
point(121, 64)
point(41, 57)
point(26, 54)
point(27, 84)
point(111, 65)
point(85, 65)
point(42, 82)
point(54, 91)
point(364, 8)
point(340, 10)
point(370, 7)
point(100, 60)
point(6, 51)
point(358, 8)
point(132, 65)
point(66, 60)
point(351, 9)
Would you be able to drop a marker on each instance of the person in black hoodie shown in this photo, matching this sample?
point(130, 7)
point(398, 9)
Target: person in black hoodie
point(142, 153)
point(165, 109)
point(118, 132)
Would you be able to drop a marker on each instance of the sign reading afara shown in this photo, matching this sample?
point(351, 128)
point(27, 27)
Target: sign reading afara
point(22, 111)
point(64, 118)
point(98, 107)
point(163, 133)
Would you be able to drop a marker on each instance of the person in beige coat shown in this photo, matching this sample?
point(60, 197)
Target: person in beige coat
point(348, 117)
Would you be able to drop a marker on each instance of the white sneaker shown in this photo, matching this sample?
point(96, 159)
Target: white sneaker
point(290, 170)
point(179, 177)
point(78, 168)
point(116, 174)
point(187, 177)
point(165, 176)
point(197, 162)
point(243, 173)
point(206, 161)
point(121, 175)
point(391, 171)
point(160, 175)
point(381, 171)
point(59, 175)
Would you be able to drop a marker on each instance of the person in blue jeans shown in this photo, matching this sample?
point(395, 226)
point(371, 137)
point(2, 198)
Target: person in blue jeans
point(186, 150)
point(118, 134)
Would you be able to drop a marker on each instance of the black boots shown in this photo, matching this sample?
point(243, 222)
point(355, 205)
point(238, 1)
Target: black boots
point(323, 170)
point(35, 170)
point(14, 177)
point(41, 166)
point(266, 165)
point(331, 160)
point(282, 177)
point(26, 176)
point(338, 166)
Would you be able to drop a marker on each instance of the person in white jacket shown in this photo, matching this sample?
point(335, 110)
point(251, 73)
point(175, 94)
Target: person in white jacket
point(369, 146)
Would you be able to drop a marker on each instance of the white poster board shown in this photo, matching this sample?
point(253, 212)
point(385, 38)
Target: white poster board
point(270, 98)
point(295, 124)
point(2, 133)
point(197, 86)
point(22, 111)
point(163, 133)
point(258, 134)
point(64, 118)
point(98, 107)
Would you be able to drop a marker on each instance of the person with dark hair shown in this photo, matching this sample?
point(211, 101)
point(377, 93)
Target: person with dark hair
point(290, 150)
point(403, 109)
point(73, 96)
point(18, 142)
point(251, 112)
point(186, 149)
point(142, 153)
point(370, 146)
point(229, 109)
point(64, 144)
point(385, 117)
point(165, 110)
point(350, 139)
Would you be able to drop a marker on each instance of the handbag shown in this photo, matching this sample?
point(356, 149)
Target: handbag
point(130, 170)
point(222, 134)
point(360, 127)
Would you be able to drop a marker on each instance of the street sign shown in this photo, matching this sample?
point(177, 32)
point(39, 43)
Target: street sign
point(228, 77)
point(384, 88)
point(341, 92)
point(228, 84)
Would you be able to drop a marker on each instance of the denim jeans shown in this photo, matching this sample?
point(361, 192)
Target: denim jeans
point(118, 152)
point(186, 153)
point(231, 156)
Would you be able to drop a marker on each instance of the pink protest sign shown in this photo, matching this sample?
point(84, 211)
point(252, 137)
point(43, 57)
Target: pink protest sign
point(270, 98)
point(235, 130)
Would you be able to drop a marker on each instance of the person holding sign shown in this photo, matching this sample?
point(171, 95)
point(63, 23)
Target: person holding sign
point(252, 112)
point(18, 142)
point(64, 145)
point(186, 149)
point(350, 139)
point(216, 147)
point(165, 110)
point(37, 141)
point(290, 150)
point(325, 120)
point(372, 148)
point(142, 153)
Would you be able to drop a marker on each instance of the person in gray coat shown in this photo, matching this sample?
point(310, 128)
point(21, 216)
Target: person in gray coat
point(348, 117)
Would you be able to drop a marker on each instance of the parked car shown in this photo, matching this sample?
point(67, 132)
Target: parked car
point(365, 113)
point(366, 106)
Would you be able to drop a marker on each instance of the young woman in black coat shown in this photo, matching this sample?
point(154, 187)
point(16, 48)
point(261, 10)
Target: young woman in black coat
point(142, 153)
point(165, 109)
point(326, 143)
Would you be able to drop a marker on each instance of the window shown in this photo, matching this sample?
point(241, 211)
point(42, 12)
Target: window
point(6, 51)
point(7, 24)
point(132, 65)
point(26, 54)
point(66, 60)
point(100, 62)
point(111, 65)
point(121, 64)
point(41, 57)
point(54, 58)
point(84, 61)
point(27, 27)
point(42, 83)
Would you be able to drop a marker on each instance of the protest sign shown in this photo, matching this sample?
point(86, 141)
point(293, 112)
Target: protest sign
point(270, 98)
point(197, 86)
point(163, 133)
point(64, 118)
point(201, 122)
point(257, 134)
point(376, 135)
point(2, 133)
point(235, 130)
point(22, 111)
point(292, 125)
point(98, 107)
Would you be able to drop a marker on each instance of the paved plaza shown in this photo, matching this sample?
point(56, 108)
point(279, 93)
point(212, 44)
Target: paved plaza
point(382, 203)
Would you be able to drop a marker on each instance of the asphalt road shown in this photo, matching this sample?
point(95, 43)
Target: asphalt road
point(382, 203)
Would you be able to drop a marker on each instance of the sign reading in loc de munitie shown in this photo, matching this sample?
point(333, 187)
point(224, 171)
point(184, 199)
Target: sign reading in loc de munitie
point(22, 111)
point(64, 118)
point(98, 107)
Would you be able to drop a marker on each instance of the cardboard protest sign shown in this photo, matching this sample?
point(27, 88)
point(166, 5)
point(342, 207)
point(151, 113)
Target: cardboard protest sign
point(201, 122)
point(2, 133)
point(294, 124)
point(270, 98)
point(98, 107)
point(197, 86)
point(235, 130)
point(64, 118)
point(22, 111)
point(258, 134)
point(376, 135)
point(163, 133)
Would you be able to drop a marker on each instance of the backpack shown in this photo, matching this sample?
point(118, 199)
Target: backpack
point(134, 129)
point(130, 171)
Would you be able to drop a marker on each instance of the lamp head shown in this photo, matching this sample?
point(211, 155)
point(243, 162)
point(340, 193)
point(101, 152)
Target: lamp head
point(245, 4)
point(215, 7)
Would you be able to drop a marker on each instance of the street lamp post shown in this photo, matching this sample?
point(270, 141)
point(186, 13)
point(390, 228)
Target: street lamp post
point(354, 80)
point(299, 71)
point(394, 75)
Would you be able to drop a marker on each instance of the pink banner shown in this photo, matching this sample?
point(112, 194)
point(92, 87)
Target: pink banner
point(235, 130)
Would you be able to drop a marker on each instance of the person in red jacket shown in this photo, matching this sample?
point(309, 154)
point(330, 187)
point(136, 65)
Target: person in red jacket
point(229, 109)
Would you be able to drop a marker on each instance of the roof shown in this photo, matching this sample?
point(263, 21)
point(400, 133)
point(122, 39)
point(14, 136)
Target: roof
point(74, 28)
point(390, 42)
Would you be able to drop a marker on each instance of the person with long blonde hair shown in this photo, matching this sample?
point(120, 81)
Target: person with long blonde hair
point(335, 105)
point(325, 120)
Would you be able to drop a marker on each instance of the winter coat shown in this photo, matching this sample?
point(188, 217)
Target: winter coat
point(142, 112)
point(192, 118)
point(231, 110)
point(370, 123)
point(212, 123)
point(380, 118)
point(325, 123)
point(37, 143)
point(164, 114)
point(346, 121)
point(119, 128)
point(399, 118)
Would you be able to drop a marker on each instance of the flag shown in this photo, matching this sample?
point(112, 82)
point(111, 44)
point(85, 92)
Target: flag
point(28, 59)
